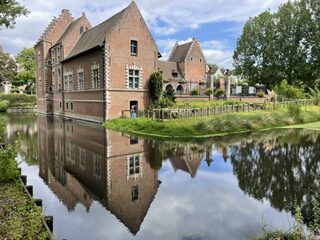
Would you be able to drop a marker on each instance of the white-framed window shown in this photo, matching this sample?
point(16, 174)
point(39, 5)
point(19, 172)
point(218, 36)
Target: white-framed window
point(134, 78)
point(80, 75)
point(68, 81)
point(134, 165)
point(134, 48)
point(95, 76)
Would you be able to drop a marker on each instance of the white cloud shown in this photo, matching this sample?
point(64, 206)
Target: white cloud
point(215, 51)
point(165, 18)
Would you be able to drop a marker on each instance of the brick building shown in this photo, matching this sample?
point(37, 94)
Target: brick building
point(185, 69)
point(85, 162)
point(95, 73)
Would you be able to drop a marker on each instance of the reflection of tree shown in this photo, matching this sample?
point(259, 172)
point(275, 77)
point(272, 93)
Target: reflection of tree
point(29, 148)
point(282, 170)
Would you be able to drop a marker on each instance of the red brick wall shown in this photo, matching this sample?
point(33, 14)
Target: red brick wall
point(87, 102)
point(196, 70)
point(132, 27)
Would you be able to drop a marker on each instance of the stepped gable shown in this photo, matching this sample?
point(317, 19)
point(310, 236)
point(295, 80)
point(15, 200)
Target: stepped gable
point(180, 52)
point(57, 27)
point(96, 35)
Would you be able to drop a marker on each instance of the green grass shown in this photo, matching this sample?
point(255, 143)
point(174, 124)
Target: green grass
point(310, 126)
point(20, 219)
point(17, 101)
point(214, 125)
point(202, 103)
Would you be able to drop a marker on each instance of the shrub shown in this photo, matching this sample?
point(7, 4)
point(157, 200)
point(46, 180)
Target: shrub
point(155, 86)
point(195, 92)
point(165, 102)
point(294, 110)
point(8, 166)
point(284, 90)
point(4, 105)
point(170, 95)
point(260, 94)
point(218, 93)
point(14, 91)
point(315, 95)
point(209, 91)
point(19, 100)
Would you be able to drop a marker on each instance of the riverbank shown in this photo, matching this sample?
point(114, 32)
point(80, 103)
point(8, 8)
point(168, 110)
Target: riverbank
point(20, 218)
point(14, 101)
point(204, 127)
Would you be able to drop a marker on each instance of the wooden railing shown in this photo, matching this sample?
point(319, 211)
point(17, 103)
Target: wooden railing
point(169, 114)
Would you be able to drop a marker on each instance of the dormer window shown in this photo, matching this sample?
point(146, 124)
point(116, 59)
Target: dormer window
point(134, 48)
point(81, 29)
point(174, 74)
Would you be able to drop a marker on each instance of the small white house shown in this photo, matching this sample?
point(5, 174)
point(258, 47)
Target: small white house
point(5, 87)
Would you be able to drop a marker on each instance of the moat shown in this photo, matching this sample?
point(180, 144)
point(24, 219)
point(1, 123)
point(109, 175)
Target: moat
point(100, 184)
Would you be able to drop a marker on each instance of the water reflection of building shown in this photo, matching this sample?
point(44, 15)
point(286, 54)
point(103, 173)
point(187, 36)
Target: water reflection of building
point(84, 162)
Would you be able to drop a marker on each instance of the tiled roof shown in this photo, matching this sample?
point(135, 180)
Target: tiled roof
point(167, 67)
point(96, 35)
point(180, 52)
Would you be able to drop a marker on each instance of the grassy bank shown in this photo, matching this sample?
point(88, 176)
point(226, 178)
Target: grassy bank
point(16, 101)
point(20, 219)
point(181, 103)
point(215, 125)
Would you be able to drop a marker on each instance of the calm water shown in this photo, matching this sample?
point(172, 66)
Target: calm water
point(100, 184)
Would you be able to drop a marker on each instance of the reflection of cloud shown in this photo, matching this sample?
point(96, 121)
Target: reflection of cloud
point(211, 206)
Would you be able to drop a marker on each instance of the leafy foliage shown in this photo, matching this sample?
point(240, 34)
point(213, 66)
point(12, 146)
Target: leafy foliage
point(8, 165)
point(218, 93)
point(155, 86)
point(281, 45)
point(194, 92)
point(315, 95)
point(209, 91)
point(26, 61)
point(8, 68)
point(284, 90)
point(9, 11)
point(18, 100)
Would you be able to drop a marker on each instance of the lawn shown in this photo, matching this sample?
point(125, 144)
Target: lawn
point(221, 124)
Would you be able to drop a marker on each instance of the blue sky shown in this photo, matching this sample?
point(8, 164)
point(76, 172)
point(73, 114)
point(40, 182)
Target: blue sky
point(216, 24)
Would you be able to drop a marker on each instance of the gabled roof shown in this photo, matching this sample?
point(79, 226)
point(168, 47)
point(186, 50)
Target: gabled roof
point(167, 67)
point(180, 52)
point(68, 29)
point(96, 35)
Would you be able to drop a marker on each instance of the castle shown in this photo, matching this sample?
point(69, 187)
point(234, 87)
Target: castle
point(94, 73)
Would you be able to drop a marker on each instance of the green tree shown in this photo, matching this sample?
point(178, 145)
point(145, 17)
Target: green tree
point(9, 11)
point(281, 45)
point(26, 61)
point(8, 67)
point(155, 86)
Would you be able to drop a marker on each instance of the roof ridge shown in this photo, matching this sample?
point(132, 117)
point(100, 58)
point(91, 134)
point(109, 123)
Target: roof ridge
point(173, 49)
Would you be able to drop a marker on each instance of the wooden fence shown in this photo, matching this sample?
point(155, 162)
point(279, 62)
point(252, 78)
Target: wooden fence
point(169, 114)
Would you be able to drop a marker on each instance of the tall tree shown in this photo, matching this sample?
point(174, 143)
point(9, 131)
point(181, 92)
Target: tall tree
point(26, 62)
point(9, 11)
point(281, 45)
point(8, 67)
